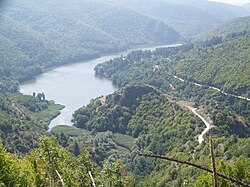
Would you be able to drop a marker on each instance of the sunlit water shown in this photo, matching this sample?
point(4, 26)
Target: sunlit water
point(72, 85)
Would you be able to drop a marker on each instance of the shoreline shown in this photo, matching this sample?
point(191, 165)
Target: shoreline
point(101, 59)
point(100, 55)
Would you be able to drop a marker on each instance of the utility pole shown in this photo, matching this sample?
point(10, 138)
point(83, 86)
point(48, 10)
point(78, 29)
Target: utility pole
point(213, 164)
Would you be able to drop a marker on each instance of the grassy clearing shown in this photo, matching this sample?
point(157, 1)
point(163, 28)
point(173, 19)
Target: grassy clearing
point(125, 141)
point(69, 131)
point(45, 116)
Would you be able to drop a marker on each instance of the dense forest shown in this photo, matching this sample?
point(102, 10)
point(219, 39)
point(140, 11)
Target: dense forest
point(210, 61)
point(153, 109)
point(139, 118)
point(188, 17)
point(34, 39)
point(34, 36)
point(194, 72)
point(24, 119)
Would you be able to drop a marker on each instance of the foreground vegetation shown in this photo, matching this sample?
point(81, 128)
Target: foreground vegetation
point(51, 165)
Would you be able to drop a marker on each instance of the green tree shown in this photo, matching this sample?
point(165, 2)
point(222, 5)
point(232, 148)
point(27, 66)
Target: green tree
point(76, 149)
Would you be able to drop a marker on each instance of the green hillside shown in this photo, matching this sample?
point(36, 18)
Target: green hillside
point(40, 35)
point(26, 52)
point(158, 125)
point(134, 110)
point(188, 17)
point(23, 120)
point(220, 62)
point(37, 35)
point(220, 59)
point(229, 30)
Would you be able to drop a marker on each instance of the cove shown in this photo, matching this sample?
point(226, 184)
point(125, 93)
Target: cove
point(74, 85)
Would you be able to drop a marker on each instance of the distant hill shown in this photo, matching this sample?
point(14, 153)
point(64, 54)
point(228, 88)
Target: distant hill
point(190, 17)
point(233, 28)
point(86, 22)
point(222, 59)
point(43, 34)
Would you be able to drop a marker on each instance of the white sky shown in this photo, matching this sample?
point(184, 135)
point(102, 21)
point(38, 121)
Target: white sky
point(235, 2)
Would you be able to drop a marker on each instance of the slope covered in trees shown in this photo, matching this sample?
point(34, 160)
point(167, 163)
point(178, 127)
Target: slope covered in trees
point(23, 120)
point(221, 60)
point(188, 17)
point(221, 56)
point(37, 35)
point(234, 28)
point(134, 110)
point(136, 67)
point(141, 112)
point(160, 126)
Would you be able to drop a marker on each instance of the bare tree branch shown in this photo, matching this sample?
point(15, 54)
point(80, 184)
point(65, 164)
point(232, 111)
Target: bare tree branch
point(197, 166)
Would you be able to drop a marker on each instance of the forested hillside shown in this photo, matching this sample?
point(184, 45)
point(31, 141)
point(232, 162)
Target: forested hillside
point(159, 68)
point(139, 118)
point(194, 72)
point(23, 120)
point(188, 17)
point(234, 28)
point(37, 35)
point(145, 114)
point(220, 59)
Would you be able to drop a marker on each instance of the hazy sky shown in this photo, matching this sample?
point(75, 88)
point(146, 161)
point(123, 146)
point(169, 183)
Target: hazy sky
point(235, 2)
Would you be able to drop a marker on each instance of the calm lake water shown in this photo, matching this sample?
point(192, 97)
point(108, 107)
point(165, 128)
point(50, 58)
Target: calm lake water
point(73, 85)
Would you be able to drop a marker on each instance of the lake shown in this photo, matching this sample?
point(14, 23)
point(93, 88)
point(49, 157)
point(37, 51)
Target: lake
point(73, 85)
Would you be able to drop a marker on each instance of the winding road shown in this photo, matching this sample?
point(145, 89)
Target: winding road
point(212, 87)
point(208, 122)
